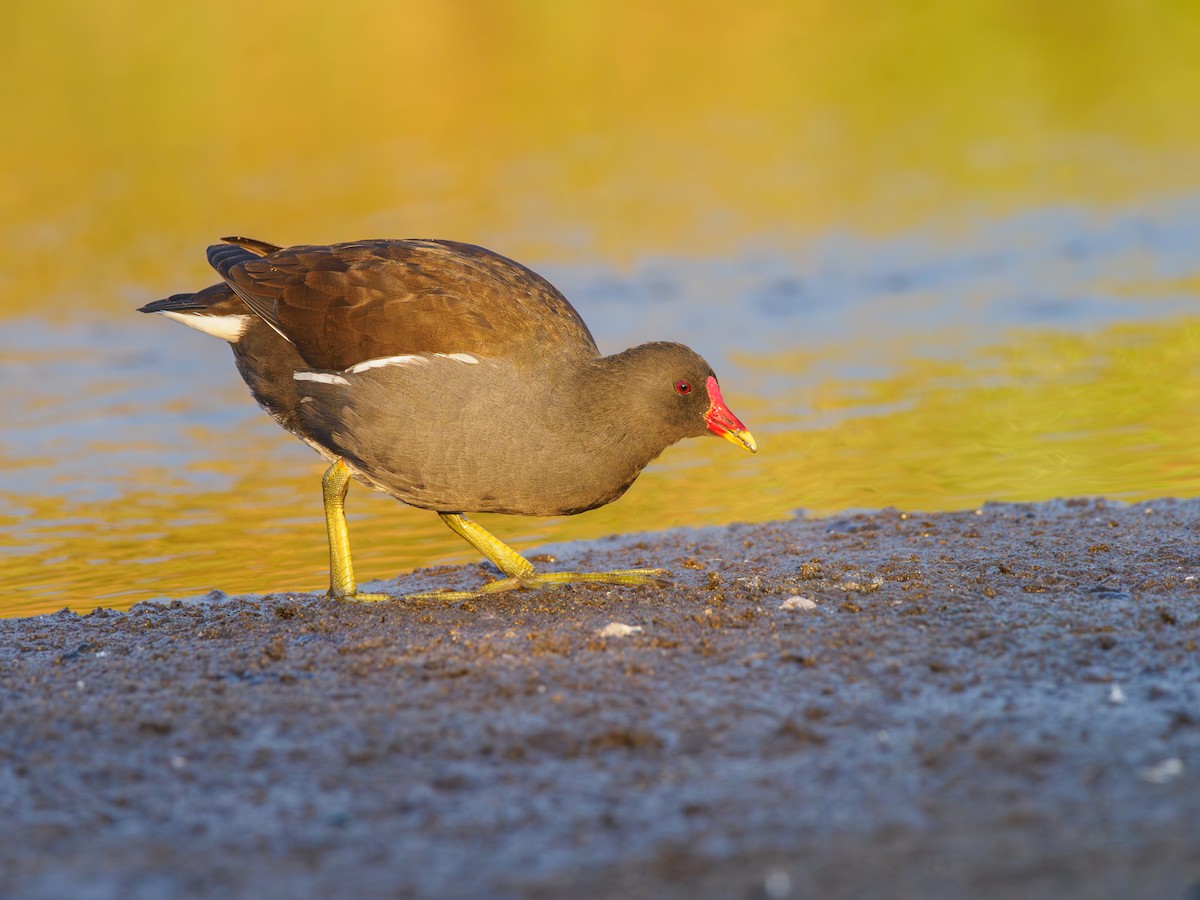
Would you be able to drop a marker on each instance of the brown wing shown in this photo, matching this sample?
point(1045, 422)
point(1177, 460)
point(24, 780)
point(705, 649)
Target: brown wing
point(345, 303)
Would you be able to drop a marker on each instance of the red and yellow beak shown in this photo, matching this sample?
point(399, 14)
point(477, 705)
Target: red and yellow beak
point(723, 423)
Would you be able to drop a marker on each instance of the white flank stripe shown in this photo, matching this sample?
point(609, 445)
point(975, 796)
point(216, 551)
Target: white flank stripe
point(460, 357)
point(227, 328)
point(386, 361)
point(323, 377)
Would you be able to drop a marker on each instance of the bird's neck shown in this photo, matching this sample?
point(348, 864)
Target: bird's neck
point(612, 397)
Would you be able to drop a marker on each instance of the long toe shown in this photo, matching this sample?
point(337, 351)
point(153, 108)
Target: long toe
point(360, 597)
point(492, 587)
point(655, 577)
point(551, 580)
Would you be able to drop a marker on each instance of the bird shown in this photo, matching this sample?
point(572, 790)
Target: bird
point(452, 379)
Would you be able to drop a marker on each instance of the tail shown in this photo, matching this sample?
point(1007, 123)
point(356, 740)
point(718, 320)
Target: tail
point(216, 310)
point(200, 302)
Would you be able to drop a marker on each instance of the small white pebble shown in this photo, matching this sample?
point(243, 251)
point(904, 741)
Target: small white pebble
point(1189, 577)
point(1162, 772)
point(79, 685)
point(178, 762)
point(618, 629)
point(777, 884)
point(1116, 696)
point(798, 602)
point(101, 654)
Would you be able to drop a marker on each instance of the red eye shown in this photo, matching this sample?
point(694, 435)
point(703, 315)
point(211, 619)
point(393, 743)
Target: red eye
point(683, 387)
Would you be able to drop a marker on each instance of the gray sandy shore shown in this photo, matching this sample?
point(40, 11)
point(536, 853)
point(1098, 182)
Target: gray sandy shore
point(994, 704)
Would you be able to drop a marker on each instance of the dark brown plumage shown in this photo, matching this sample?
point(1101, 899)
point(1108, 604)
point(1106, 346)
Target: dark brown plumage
point(448, 376)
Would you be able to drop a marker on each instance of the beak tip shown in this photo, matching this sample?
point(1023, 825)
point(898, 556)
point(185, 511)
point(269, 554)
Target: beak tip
point(740, 438)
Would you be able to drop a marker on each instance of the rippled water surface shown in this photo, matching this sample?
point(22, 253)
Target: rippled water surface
point(937, 257)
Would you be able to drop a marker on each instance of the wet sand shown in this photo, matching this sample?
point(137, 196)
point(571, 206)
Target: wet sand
point(994, 704)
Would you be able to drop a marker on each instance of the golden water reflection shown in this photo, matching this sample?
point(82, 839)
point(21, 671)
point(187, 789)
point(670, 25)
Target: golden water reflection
point(1107, 414)
point(141, 131)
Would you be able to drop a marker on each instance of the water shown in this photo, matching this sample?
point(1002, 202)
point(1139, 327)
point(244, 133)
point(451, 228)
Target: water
point(910, 302)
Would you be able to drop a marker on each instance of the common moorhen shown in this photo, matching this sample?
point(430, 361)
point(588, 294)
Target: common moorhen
point(453, 379)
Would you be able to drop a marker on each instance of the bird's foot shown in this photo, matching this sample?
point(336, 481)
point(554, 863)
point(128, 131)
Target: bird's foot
point(358, 596)
point(549, 580)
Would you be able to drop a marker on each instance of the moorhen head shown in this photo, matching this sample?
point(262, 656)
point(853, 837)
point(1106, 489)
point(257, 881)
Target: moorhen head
point(454, 380)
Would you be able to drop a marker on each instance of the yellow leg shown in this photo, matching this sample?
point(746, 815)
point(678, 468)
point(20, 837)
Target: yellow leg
point(342, 586)
point(498, 553)
point(519, 571)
